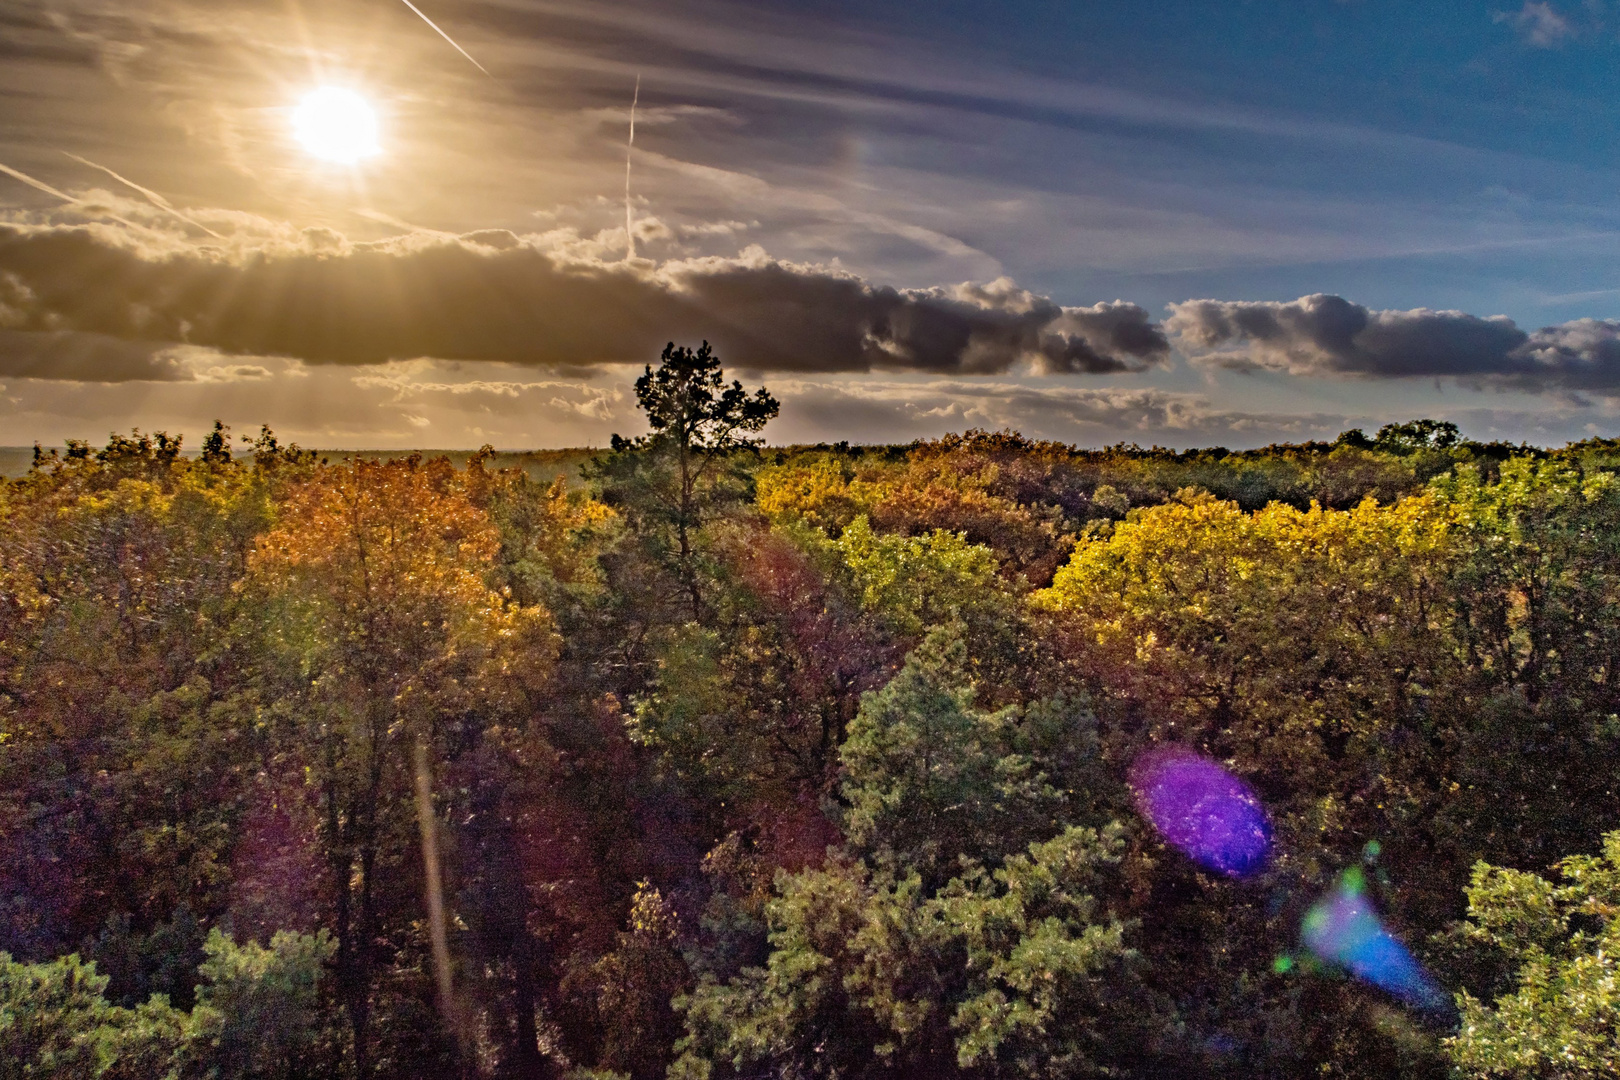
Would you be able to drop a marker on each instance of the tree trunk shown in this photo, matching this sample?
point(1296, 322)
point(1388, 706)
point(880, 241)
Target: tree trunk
point(530, 1064)
point(688, 570)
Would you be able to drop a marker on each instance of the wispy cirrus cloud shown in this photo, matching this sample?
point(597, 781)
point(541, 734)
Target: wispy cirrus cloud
point(841, 150)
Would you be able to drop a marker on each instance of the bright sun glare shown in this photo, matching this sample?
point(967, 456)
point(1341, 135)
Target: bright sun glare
point(336, 124)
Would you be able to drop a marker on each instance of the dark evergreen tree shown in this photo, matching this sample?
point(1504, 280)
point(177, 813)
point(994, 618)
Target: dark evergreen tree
point(671, 481)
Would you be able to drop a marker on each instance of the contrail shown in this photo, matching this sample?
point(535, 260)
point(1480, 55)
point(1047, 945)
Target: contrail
point(153, 197)
point(64, 196)
point(448, 38)
point(398, 223)
point(629, 235)
point(40, 184)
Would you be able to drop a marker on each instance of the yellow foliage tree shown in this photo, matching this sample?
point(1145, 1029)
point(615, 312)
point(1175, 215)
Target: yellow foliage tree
point(1293, 641)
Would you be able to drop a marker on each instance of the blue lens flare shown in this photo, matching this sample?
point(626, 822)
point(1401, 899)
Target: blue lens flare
point(1342, 929)
point(1211, 816)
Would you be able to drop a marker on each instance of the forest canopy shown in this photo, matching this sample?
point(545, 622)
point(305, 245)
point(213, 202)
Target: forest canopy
point(733, 761)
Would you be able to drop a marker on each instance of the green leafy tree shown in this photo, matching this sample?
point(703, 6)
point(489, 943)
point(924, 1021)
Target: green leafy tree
point(953, 935)
point(256, 1018)
point(1416, 435)
point(928, 779)
point(1537, 591)
point(55, 1023)
point(1562, 1019)
point(748, 714)
point(1536, 596)
point(258, 1013)
point(1016, 971)
point(917, 582)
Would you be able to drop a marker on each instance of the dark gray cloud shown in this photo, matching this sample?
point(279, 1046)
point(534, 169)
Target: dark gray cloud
point(1329, 335)
point(65, 355)
point(550, 300)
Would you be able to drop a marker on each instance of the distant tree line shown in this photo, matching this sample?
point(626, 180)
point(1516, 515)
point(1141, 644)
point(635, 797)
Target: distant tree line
point(736, 762)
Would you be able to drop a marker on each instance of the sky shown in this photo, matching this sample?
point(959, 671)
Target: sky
point(1185, 224)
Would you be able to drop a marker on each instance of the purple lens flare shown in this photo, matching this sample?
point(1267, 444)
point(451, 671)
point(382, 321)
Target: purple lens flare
point(1202, 810)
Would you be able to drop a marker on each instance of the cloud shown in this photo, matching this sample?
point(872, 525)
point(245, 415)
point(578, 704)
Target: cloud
point(550, 299)
point(466, 404)
point(233, 373)
point(715, 228)
point(893, 410)
point(1328, 335)
point(64, 355)
point(757, 127)
point(463, 405)
point(1539, 23)
point(507, 397)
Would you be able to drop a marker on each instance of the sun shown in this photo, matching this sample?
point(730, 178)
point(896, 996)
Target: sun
point(336, 124)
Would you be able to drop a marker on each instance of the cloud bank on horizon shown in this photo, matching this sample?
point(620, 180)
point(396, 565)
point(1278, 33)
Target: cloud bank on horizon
point(496, 296)
point(166, 310)
point(548, 301)
point(1329, 335)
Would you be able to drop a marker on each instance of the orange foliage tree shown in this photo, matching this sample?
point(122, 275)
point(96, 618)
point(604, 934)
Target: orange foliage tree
point(381, 636)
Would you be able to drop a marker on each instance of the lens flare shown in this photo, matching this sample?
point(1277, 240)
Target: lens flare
point(1342, 929)
point(336, 124)
point(1211, 816)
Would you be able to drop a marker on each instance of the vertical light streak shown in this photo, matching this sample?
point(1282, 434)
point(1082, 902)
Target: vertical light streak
point(428, 823)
